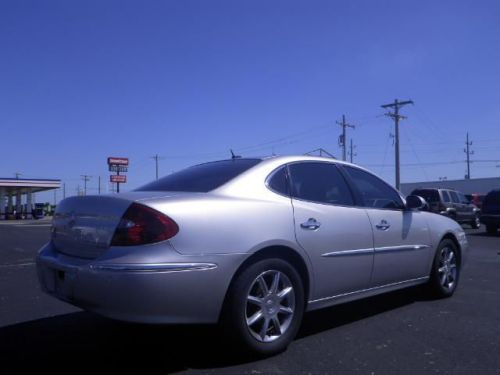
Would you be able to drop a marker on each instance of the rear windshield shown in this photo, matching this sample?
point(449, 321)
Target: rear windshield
point(492, 198)
point(429, 195)
point(201, 178)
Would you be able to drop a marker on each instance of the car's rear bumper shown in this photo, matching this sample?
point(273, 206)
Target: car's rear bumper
point(182, 289)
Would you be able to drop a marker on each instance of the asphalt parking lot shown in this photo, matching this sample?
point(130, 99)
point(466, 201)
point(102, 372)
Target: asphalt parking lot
point(399, 333)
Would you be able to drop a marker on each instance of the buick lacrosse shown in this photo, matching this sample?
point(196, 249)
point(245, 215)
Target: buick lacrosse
point(250, 244)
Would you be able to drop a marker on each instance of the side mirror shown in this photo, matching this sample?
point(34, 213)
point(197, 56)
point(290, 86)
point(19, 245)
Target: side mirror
point(415, 202)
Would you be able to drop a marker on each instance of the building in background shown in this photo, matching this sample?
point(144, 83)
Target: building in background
point(466, 186)
point(17, 196)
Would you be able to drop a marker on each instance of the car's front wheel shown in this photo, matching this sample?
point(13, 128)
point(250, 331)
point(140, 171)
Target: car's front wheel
point(265, 306)
point(445, 270)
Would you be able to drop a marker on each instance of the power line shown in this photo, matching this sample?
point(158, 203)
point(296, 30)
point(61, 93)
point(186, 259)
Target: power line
point(351, 152)
point(396, 116)
point(85, 178)
point(416, 155)
point(156, 159)
point(468, 152)
point(342, 137)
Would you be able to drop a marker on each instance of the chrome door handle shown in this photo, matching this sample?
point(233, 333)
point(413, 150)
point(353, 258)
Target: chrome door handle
point(383, 225)
point(311, 224)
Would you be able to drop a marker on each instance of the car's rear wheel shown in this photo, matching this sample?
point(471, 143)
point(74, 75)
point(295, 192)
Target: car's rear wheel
point(445, 270)
point(265, 306)
point(491, 229)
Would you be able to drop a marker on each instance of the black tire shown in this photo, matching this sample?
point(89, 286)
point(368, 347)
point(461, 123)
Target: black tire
point(475, 224)
point(445, 272)
point(238, 309)
point(491, 229)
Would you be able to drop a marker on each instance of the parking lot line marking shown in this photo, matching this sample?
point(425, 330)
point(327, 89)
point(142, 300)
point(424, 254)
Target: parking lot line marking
point(32, 225)
point(28, 264)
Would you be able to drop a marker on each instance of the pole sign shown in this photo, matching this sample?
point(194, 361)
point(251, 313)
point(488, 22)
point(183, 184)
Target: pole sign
point(119, 178)
point(117, 161)
point(117, 164)
point(117, 168)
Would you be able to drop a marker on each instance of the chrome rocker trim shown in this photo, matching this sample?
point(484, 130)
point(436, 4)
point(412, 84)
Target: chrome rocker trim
point(378, 250)
point(154, 267)
point(377, 288)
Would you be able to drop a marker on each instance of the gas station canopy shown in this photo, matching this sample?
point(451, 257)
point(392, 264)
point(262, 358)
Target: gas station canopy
point(20, 188)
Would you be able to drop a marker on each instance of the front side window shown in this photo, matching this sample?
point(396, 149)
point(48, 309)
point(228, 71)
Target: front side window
point(320, 183)
point(202, 178)
point(463, 199)
point(430, 195)
point(375, 192)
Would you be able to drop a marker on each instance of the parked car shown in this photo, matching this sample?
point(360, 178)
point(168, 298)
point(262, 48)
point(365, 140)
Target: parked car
point(476, 199)
point(38, 213)
point(450, 203)
point(490, 215)
point(250, 244)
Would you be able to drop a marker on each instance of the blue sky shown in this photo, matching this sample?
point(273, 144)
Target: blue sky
point(188, 80)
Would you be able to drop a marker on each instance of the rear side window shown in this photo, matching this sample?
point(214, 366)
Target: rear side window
point(320, 183)
point(375, 192)
point(202, 178)
point(446, 196)
point(430, 195)
point(278, 182)
point(454, 197)
point(492, 198)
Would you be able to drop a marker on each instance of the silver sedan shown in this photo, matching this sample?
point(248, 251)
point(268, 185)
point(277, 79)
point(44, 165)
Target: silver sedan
point(248, 243)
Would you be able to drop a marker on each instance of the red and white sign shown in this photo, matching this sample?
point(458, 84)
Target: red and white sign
point(118, 178)
point(117, 161)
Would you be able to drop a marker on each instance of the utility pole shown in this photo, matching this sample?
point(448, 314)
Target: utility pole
point(156, 158)
point(99, 186)
point(64, 190)
point(85, 178)
point(396, 116)
point(342, 137)
point(351, 152)
point(468, 152)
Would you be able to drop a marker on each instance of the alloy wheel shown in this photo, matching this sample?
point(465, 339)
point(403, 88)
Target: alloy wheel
point(270, 306)
point(447, 269)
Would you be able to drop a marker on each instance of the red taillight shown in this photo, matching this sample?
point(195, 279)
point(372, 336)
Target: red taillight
point(141, 225)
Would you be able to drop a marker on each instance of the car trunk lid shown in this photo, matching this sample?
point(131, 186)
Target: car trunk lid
point(84, 226)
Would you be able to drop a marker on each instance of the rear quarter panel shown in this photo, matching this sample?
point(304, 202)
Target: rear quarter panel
point(217, 224)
